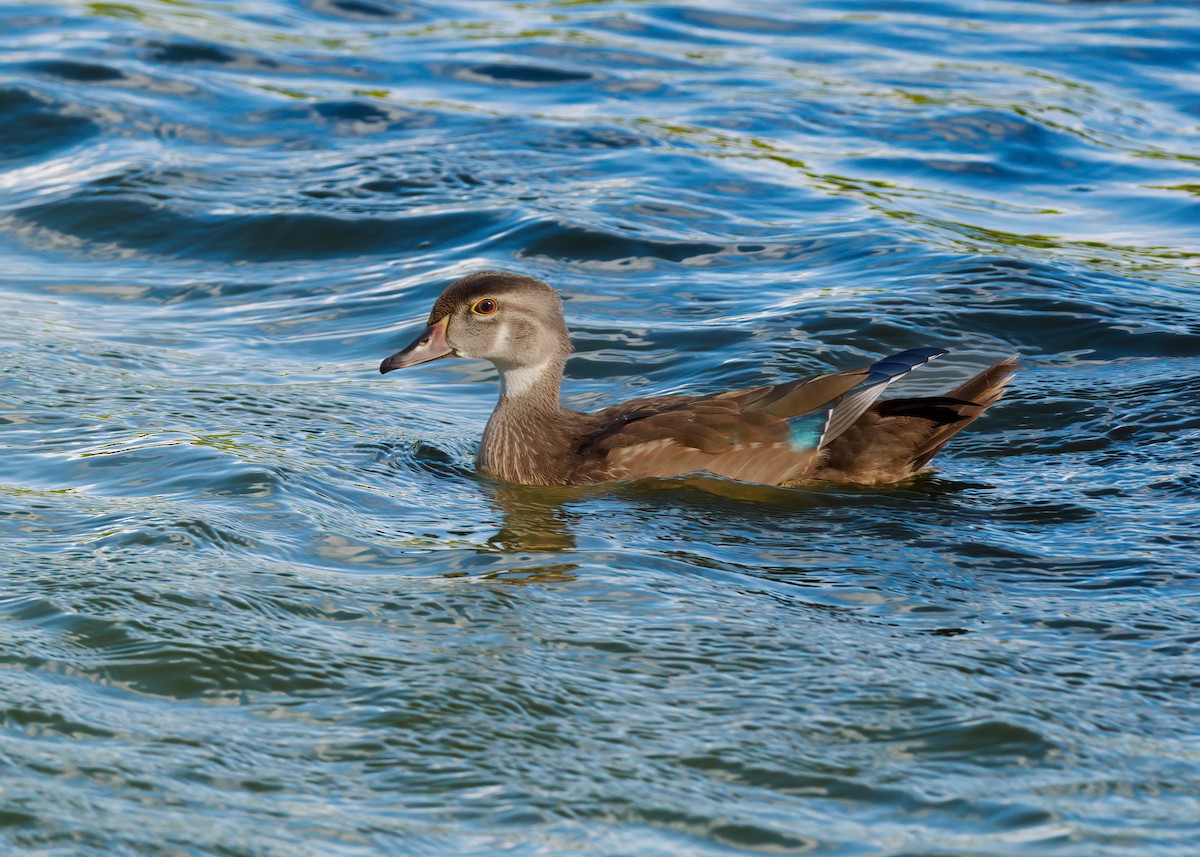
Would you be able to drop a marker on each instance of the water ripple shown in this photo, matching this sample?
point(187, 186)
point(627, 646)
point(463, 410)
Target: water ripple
point(257, 600)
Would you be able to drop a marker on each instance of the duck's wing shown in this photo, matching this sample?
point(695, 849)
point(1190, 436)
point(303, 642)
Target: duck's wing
point(771, 435)
point(896, 438)
point(690, 435)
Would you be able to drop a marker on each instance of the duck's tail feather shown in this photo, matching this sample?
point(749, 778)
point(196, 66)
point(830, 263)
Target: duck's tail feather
point(973, 397)
point(986, 387)
point(896, 438)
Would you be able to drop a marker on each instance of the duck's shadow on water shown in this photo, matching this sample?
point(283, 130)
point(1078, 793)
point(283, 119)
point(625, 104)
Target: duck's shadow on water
point(541, 529)
point(544, 520)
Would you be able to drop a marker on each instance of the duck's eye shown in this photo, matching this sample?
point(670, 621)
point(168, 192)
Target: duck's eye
point(485, 306)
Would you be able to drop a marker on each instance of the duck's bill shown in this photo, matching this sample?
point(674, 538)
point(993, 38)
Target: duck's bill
point(430, 345)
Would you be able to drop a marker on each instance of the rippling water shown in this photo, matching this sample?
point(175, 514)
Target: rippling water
point(257, 602)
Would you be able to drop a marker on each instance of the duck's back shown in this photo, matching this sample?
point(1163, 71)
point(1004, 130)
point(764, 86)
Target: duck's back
point(823, 428)
point(671, 436)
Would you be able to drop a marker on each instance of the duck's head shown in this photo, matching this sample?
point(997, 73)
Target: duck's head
point(515, 322)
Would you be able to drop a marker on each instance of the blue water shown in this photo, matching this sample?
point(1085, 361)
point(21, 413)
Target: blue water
point(255, 599)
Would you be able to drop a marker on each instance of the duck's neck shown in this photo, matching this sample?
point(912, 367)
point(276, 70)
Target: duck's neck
point(529, 439)
point(532, 386)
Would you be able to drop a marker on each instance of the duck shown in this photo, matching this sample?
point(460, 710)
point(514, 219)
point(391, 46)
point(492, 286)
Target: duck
point(829, 428)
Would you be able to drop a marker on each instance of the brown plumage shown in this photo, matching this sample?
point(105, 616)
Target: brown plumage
point(827, 428)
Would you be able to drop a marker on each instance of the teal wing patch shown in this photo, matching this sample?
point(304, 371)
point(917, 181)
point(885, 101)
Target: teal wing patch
point(808, 430)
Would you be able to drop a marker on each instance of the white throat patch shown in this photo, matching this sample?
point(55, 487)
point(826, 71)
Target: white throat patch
point(519, 380)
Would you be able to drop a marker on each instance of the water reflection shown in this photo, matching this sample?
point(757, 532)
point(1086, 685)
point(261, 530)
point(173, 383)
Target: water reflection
point(532, 519)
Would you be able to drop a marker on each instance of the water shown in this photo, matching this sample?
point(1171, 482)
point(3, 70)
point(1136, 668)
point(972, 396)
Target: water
point(257, 602)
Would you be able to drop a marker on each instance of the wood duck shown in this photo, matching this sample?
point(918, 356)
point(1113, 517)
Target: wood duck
point(828, 428)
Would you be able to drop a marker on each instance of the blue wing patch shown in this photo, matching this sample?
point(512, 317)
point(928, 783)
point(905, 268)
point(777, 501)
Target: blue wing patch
point(808, 429)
